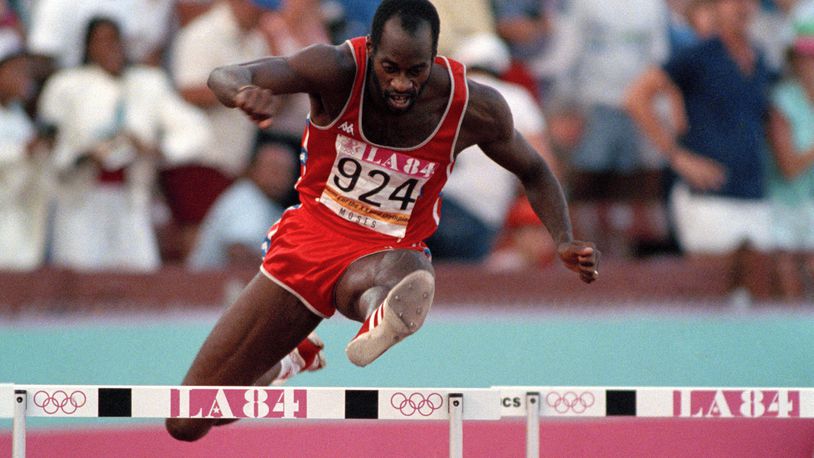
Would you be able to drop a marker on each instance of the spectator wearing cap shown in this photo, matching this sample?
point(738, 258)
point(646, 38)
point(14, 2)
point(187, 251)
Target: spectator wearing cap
point(479, 193)
point(791, 177)
point(24, 178)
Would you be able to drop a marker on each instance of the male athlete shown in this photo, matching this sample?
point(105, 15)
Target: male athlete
point(387, 119)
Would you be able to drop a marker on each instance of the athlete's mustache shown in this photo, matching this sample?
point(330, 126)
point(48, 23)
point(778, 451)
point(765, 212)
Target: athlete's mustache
point(410, 94)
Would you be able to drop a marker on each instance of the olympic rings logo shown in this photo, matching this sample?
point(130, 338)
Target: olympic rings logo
point(570, 401)
point(60, 401)
point(416, 402)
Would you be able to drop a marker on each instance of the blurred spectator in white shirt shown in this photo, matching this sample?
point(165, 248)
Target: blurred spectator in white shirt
point(611, 43)
point(115, 122)
point(226, 33)
point(24, 178)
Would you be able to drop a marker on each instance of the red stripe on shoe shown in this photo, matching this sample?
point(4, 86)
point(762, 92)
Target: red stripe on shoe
point(373, 320)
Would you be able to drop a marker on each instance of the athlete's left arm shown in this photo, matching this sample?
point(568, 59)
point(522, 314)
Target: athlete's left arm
point(489, 124)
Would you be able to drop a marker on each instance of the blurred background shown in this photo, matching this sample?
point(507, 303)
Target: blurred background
point(133, 205)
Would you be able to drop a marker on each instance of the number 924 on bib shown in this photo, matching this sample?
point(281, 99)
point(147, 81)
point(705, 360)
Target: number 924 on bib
point(375, 187)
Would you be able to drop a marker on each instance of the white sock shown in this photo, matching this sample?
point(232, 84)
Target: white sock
point(288, 369)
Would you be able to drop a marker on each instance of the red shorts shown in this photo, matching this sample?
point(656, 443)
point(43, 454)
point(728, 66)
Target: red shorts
point(307, 259)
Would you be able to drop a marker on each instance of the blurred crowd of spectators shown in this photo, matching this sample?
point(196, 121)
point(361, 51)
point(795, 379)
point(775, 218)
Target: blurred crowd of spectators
point(683, 127)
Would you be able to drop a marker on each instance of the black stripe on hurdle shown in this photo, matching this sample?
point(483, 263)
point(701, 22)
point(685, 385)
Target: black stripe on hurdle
point(620, 403)
point(115, 402)
point(362, 404)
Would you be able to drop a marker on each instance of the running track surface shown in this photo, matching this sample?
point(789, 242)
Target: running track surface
point(365, 438)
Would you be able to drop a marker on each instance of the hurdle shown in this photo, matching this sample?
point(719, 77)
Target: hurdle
point(534, 402)
point(414, 404)
point(283, 403)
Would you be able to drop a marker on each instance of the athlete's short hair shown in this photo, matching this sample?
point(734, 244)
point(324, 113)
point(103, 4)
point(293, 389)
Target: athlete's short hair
point(412, 14)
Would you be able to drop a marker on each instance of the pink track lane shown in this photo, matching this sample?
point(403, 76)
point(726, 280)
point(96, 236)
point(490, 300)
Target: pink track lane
point(364, 438)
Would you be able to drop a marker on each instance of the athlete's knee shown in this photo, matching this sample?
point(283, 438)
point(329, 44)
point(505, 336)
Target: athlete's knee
point(187, 430)
point(398, 264)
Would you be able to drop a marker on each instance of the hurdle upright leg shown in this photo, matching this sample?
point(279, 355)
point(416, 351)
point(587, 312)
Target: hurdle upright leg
point(456, 425)
point(532, 425)
point(18, 424)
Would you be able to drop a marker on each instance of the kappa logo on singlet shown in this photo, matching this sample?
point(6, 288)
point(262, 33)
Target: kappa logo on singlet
point(346, 127)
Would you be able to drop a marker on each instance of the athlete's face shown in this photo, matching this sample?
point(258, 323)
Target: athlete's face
point(401, 65)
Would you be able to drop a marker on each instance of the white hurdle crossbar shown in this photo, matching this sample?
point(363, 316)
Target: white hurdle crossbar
point(535, 402)
point(452, 404)
point(658, 402)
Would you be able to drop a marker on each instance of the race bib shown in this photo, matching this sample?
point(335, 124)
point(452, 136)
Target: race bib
point(375, 187)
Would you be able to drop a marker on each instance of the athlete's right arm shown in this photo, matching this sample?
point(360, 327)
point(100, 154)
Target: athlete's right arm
point(323, 71)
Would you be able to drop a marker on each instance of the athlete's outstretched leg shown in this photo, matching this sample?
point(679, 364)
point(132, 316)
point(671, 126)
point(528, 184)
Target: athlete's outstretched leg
point(391, 292)
point(255, 333)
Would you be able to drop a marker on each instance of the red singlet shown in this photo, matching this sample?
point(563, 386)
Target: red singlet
point(358, 197)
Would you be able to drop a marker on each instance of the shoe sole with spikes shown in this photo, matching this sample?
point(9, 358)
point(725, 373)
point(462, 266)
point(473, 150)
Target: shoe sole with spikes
point(401, 314)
